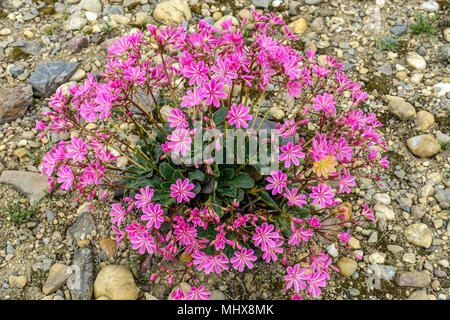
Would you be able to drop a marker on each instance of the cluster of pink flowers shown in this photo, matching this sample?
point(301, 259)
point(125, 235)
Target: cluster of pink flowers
point(202, 71)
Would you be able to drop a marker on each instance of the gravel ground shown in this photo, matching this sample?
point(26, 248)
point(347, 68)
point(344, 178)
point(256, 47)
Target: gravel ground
point(405, 255)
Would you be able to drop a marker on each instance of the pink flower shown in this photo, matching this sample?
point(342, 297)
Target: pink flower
point(315, 281)
point(199, 293)
point(197, 72)
point(134, 75)
point(144, 197)
point(243, 258)
point(344, 237)
point(65, 176)
point(384, 162)
point(177, 119)
point(322, 194)
point(324, 103)
point(291, 153)
point(293, 198)
point(76, 150)
point(368, 213)
point(239, 115)
point(298, 235)
point(216, 263)
point(144, 242)
point(154, 215)
point(296, 277)
point(119, 234)
point(277, 182)
point(180, 190)
point(118, 213)
point(265, 237)
point(177, 294)
point(223, 71)
point(213, 92)
point(180, 141)
point(345, 182)
point(195, 98)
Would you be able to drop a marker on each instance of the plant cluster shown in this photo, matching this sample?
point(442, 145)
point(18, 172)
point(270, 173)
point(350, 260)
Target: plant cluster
point(179, 87)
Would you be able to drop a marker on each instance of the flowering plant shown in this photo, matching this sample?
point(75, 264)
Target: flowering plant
point(181, 89)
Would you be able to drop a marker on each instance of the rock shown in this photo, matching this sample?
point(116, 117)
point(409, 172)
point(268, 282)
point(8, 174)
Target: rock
point(332, 251)
point(217, 295)
point(28, 47)
point(430, 6)
point(377, 257)
point(31, 184)
point(108, 43)
point(413, 279)
point(149, 296)
point(418, 295)
point(91, 5)
point(277, 113)
point(313, 2)
point(424, 120)
point(418, 211)
point(401, 75)
point(115, 282)
point(354, 243)
point(418, 234)
point(109, 246)
point(416, 78)
point(172, 12)
point(399, 107)
point(234, 21)
point(443, 197)
point(427, 190)
point(76, 22)
point(77, 43)
point(447, 34)
point(142, 18)
point(386, 69)
point(441, 88)
point(442, 137)
point(424, 146)
point(416, 61)
point(5, 32)
point(84, 225)
point(347, 266)
point(57, 277)
point(48, 76)
point(78, 75)
point(298, 26)
point(16, 70)
point(399, 30)
point(394, 248)
point(383, 198)
point(80, 283)
point(261, 4)
point(14, 102)
point(383, 212)
point(120, 19)
point(17, 281)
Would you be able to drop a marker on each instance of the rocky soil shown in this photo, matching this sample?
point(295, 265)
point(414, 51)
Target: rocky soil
point(53, 248)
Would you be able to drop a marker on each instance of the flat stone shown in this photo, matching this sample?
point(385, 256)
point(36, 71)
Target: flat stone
point(416, 61)
point(31, 184)
point(399, 30)
point(49, 76)
point(109, 246)
point(17, 281)
point(172, 12)
point(347, 266)
point(424, 120)
point(424, 146)
point(443, 197)
point(115, 282)
point(261, 4)
point(81, 283)
point(399, 107)
point(84, 225)
point(383, 212)
point(413, 279)
point(57, 277)
point(14, 102)
point(430, 6)
point(77, 43)
point(419, 234)
point(91, 5)
point(298, 26)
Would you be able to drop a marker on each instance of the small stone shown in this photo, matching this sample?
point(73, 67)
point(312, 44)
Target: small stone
point(5, 32)
point(120, 19)
point(441, 88)
point(399, 30)
point(83, 243)
point(416, 78)
point(298, 26)
point(416, 61)
point(109, 246)
point(277, 113)
point(418, 234)
point(383, 212)
point(57, 277)
point(84, 225)
point(347, 266)
point(50, 75)
point(172, 12)
point(409, 257)
point(234, 22)
point(261, 4)
point(332, 251)
point(31, 184)
point(142, 18)
point(424, 120)
point(394, 248)
point(430, 6)
point(14, 102)
point(383, 198)
point(424, 146)
point(148, 296)
point(447, 34)
point(80, 283)
point(399, 107)
point(377, 257)
point(401, 75)
point(354, 243)
point(442, 196)
point(413, 279)
point(115, 282)
point(77, 43)
point(313, 2)
point(418, 295)
point(17, 281)
point(91, 5)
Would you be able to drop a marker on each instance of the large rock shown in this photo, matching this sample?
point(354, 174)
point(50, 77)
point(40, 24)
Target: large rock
point(172, 12)
point(418, 234)
point(383, 212)
point(443, 196)
point(424, 120)
point(33, 48)
point(413, 279)
point(115, 282)
point(14, 102)
point(57, 277)
point(49, 76)
point(347, 266)
point(424, 146)
point(298, 26)
point(416, 61)
point(84, 226)
point(81, 282)
point(31, 184)
point(399, 107)
point(91, 5)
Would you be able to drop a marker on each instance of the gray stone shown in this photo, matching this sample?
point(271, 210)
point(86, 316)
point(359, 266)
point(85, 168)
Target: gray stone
point(91, 5)
point(313, 2)
point(16, 70)
point(385, 69)
point(49, 76)
point(443, 196)
point(14, 102)
point(50, 215)
point(31, 184)
point(9, 248)
point(399, 30)
point(413, 279)
point(29, 47)
point(81, 283)
point(84, 225)
point(261, 4)
point(402, 109)
point(112, 9)
point(430, 6)
point(77, 43)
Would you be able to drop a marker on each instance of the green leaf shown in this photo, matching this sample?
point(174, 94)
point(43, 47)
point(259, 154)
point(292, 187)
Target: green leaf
point(228, 192)
point(166, 170)
point(243, 180)
point(298, 212)
point(266, 196)
point(227, 174)
point(197, 188)
point(219, 116)
point(196, 175)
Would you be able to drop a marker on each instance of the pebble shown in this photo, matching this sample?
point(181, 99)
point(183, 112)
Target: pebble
point(347, 266)
point(430, 6)
point(413, 279)
point(424, 120)
point(57, 277)
point(172, 12)
point(424, 146)
point(419, 234)
point(416, 61)
point(109, 246)
point(399, 107)
point(115, 282)
point(298, 26)
point(384, 212)
point(91, 5)
point(17, 281)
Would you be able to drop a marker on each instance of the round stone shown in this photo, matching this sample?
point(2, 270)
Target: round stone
point(115, 282)
point(418, 234)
